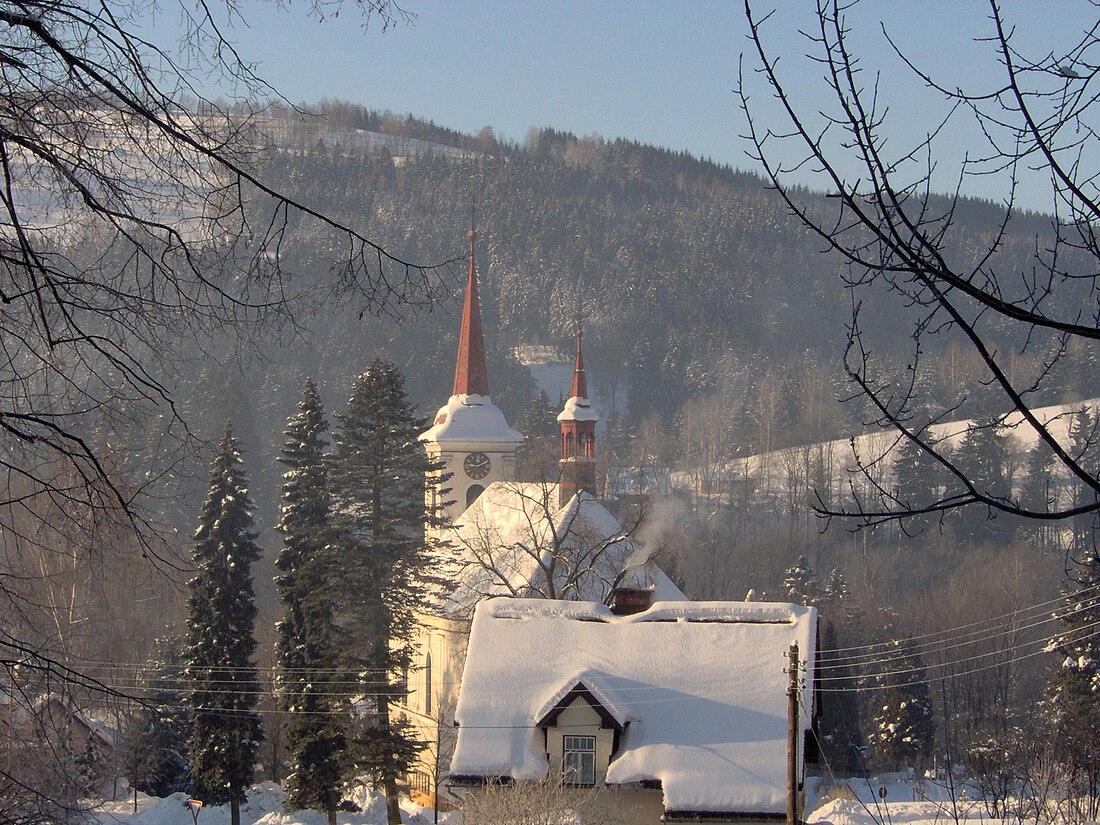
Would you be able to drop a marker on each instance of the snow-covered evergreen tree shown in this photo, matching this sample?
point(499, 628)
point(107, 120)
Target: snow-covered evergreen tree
point(903, 725)
point(225, 729)
point(1075, 688)
point(835, 590)
point(386, 557)
point(156, 762)
point(306, 644)
point(800, 584)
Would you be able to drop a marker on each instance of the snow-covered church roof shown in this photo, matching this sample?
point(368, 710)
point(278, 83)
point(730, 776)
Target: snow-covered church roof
point(471, 419)
point(698, 689)
point(515, 540)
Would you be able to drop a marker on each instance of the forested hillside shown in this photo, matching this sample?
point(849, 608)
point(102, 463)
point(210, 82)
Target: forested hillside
point(714, 325)
point(714, 331)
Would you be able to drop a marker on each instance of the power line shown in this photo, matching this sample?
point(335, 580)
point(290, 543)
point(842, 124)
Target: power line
point(1092, 591)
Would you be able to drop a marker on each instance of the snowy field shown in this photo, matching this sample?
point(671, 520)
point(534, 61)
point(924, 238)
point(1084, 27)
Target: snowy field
point(858, 803)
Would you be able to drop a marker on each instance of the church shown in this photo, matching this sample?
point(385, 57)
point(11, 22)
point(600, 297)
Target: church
point(510, 537)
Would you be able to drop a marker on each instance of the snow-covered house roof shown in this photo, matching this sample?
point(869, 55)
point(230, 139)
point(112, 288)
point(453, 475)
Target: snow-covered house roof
point(698, 690)
point(515, 540)
point(57, 711)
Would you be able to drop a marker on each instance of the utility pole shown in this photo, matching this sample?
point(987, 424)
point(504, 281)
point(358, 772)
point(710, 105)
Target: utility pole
point(792, 735)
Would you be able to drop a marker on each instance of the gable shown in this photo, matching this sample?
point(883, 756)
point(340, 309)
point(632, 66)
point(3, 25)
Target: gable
point(579, 692)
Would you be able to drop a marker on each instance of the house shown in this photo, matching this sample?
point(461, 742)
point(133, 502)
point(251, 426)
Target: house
point(551, 540)
point(50, 738)
point(679, 710)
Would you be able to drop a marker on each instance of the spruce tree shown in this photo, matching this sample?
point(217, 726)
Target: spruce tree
point(1082, 434)
point(1075, 688)
point(306, 644)
point(903, 725)
point(1037, 492)
point(917, 485)
point(157, 762)
point(386, 556)
point(835, 592)
point(225, 729)
point(983, 458)
point(800, 584)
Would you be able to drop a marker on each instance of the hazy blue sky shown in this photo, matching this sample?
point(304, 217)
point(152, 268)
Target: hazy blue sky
point(661, 73)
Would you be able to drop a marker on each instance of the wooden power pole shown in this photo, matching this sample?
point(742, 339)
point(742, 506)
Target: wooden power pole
point(792, 736)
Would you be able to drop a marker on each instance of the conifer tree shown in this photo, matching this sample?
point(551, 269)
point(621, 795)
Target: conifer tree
point(903, 725)
point(306, 644)
point(800, 582)
point(157, 762)
point(225, 729)
point(1082, 434)
point(1037, 493)
point(835, 591)
point(1075, 688)
point(917, 485)
point(378, 482)
point(983, 458)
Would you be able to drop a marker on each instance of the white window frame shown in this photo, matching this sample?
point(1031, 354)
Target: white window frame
point(578, 761)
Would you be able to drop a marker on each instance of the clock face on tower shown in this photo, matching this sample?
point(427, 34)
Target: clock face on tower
point(476, 465)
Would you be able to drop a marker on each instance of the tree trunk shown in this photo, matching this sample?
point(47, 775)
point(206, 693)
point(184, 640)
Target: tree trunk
point(331, 816)
point(389, 781)
point(393, 810)
point(234, 812)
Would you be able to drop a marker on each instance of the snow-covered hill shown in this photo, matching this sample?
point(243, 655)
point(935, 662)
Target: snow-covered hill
point(835, 465)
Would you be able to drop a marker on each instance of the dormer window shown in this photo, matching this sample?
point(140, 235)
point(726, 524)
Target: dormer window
point(578, 764)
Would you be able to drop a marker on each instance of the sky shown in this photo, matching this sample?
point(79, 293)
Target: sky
point(657, 72)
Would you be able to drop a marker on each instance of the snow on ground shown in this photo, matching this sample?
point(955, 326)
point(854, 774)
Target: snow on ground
point(264, 807)
point(907, 802)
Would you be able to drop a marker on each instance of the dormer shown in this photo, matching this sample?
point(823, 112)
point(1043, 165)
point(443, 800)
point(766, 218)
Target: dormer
point(581, 726)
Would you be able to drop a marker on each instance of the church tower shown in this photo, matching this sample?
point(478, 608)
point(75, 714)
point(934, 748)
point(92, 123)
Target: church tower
point(578, 435)
point(470, 434)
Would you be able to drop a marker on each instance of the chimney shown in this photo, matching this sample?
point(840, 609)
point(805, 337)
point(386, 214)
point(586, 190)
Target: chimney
point(626, 601)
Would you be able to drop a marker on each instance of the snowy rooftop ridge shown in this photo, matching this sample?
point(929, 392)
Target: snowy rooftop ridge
point(713, 735)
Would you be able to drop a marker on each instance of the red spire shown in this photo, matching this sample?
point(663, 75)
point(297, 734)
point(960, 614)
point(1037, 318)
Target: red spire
point(470, 375)
point(580, 382)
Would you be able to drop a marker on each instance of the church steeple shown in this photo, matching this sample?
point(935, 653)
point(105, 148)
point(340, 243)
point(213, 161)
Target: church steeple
point(469, 435)
point(580, 381)
point(578, 434)
point(471, 377)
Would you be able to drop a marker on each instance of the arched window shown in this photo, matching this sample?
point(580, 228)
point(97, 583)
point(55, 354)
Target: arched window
point(428, 682)
point(472, 493)
point(569, 451)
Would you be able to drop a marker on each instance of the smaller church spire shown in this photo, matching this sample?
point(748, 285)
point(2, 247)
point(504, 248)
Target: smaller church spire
point(471, 377)
point(578, 435)
point(580, 381)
